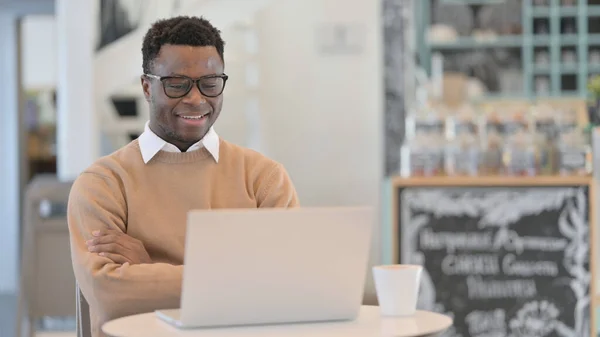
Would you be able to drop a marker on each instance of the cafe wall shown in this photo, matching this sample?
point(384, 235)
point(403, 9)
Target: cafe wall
point(321, 100)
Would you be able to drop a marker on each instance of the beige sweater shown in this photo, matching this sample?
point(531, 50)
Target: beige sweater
point(150, 202)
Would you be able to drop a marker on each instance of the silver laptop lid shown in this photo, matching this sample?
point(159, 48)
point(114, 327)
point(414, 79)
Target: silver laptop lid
point(258, 266)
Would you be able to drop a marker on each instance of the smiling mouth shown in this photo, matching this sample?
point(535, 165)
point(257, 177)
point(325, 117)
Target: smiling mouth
point(195, 117)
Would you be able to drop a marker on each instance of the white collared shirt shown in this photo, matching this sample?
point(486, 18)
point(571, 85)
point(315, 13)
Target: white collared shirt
point(150, 144)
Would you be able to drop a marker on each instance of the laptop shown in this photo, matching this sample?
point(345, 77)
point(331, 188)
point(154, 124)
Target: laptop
point(273, 266)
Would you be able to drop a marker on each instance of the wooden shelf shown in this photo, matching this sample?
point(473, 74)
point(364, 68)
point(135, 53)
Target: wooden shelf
point(493, 181)
point(471, 2)
point(569, 40)
point(469, 42)
point(593, 39)
point(593, 10)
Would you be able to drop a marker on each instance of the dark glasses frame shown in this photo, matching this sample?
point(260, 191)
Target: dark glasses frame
point(196, 82)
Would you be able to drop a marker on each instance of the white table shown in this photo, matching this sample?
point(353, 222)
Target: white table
point(369, 323)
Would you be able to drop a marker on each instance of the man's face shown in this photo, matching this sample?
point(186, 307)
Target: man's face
point(177, 120)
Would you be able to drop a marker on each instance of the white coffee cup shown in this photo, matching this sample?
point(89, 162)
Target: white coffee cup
point(397, 288)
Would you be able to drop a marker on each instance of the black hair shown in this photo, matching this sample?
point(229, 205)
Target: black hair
point(181, 30)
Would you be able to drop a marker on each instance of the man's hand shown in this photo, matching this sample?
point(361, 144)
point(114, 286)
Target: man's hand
point(118, 246)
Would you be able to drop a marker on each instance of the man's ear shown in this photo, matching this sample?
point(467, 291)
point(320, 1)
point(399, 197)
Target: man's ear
point(145, 87)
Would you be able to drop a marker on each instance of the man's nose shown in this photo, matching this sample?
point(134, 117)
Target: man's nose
point(194, 97)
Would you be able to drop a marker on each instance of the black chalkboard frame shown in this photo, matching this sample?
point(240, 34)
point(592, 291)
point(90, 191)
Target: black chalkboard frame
point(399, 184)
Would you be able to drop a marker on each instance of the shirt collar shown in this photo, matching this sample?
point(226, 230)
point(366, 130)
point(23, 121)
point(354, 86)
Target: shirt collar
point(151, 144)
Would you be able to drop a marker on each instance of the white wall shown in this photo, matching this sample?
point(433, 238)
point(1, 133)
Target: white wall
point(9, 170)
point(77, 133)
point(322, 114)
point(38, 51)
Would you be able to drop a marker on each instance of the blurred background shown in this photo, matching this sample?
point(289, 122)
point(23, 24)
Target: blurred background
point(332, 89)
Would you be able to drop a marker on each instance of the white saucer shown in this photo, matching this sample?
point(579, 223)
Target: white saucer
point(422, 323)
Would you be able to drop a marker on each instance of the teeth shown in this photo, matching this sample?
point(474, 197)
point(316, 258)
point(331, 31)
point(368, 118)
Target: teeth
point(193, 117)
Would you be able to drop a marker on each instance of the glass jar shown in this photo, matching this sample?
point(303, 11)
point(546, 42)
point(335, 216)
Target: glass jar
point(463, 150)
point(492, 141)
point(519, 154)
point(574, 151)
point(545, 132)
point(519, 151)
point(422, 152)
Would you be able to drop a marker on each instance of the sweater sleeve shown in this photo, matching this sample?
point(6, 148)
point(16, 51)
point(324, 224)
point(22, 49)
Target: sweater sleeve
point(277, 189)
point(114, 290)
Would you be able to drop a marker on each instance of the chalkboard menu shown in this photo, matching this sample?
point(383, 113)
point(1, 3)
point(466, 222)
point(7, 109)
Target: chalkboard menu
point(503, 262)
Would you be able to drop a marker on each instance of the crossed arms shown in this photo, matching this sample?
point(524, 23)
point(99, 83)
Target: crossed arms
point(113, 270)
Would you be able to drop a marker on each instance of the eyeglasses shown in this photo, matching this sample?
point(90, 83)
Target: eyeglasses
point(179, 86)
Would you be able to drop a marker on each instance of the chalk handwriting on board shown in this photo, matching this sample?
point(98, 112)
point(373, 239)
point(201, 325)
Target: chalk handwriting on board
point(511, 241)
point(512, 266)
point(481, 289)
point(482, 240)
point(480, 264)
point(499, 209)
point(487, 323)
point(534, 319)
point(501, 261)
